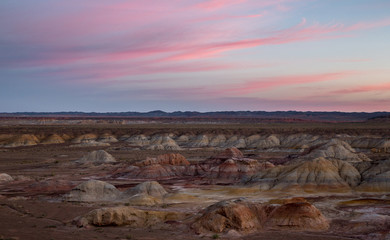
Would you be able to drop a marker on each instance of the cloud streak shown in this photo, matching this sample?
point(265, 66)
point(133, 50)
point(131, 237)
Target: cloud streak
point(191, 49)
point(211, 5)
point(284, 81)
point(105, 30)
point(243, 89)
point(384, 87)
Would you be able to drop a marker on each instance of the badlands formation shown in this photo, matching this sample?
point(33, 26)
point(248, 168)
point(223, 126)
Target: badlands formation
point(207, 183)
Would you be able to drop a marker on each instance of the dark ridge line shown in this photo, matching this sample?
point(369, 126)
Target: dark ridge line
point(334, 116)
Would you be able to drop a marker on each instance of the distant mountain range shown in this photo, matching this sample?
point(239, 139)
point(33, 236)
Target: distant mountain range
point(280, 115)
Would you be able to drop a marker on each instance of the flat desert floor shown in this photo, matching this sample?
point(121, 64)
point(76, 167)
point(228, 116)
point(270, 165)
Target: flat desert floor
point(189, 181)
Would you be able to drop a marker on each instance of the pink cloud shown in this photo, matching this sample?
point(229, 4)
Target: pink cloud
point(368, 25)
point(241, 89)
point(218, 96)
point(366, 88)
point(290, 35)
point(300, 32)
point(103, 73)
point(227, 17)
point(280, 81)
point(108, 34)
point(217, 4)
point(114, 72)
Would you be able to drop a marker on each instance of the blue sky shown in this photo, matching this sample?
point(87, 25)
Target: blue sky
point(204, 55)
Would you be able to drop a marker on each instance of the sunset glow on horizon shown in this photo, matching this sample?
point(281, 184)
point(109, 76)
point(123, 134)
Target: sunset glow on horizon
point(194, 55)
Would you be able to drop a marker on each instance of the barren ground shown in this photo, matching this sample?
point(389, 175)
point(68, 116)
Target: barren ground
point(32, 206)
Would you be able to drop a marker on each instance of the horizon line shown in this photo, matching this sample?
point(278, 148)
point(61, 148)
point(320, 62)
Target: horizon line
point(169, 112)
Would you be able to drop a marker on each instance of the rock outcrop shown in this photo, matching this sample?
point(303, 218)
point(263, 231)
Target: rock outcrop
point(378, 183)
point(238, 215)
point(132, 217)
point(142, 200)
point(337, 149)
point(376, 178)
point(183, 140)
point(244, 216)
point(53, 139)
point(107, 138)
point(347, 172)
point(229, 166)
point(162, 167)
point(316, 175)
point(377, 143)
point(145, 194)
point(165, 159)
point(85, 138)
point(22, 140)
point(217, 141)
point(297, 216)
point(124, 137)
point(252, 140)
point(66, 137)
point(91, 143)
point(235, 141)
point(301, 141)
point(341, 147)
point(383, 146)
point(151, 188)
point(230, 153)
point(200, 141)
point(5, 178)
point(376, 168)
point(162, 143)
point(93, 191)
point(97, 158)
point(155, 172)
point(138, 140)
point(271, 141)
point(235, 169)
point(4, 138)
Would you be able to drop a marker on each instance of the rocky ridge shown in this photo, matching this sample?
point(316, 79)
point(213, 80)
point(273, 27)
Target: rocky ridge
point(245, 216)
point(97, 158)
point(342, 147)
point(230, 166)
point(317, 175)
point(145, 194)
point(132, 217)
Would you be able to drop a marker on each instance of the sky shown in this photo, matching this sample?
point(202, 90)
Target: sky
point(194, 55)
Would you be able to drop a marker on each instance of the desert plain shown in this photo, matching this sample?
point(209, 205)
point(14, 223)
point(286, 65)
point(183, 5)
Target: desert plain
point(156, 180)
